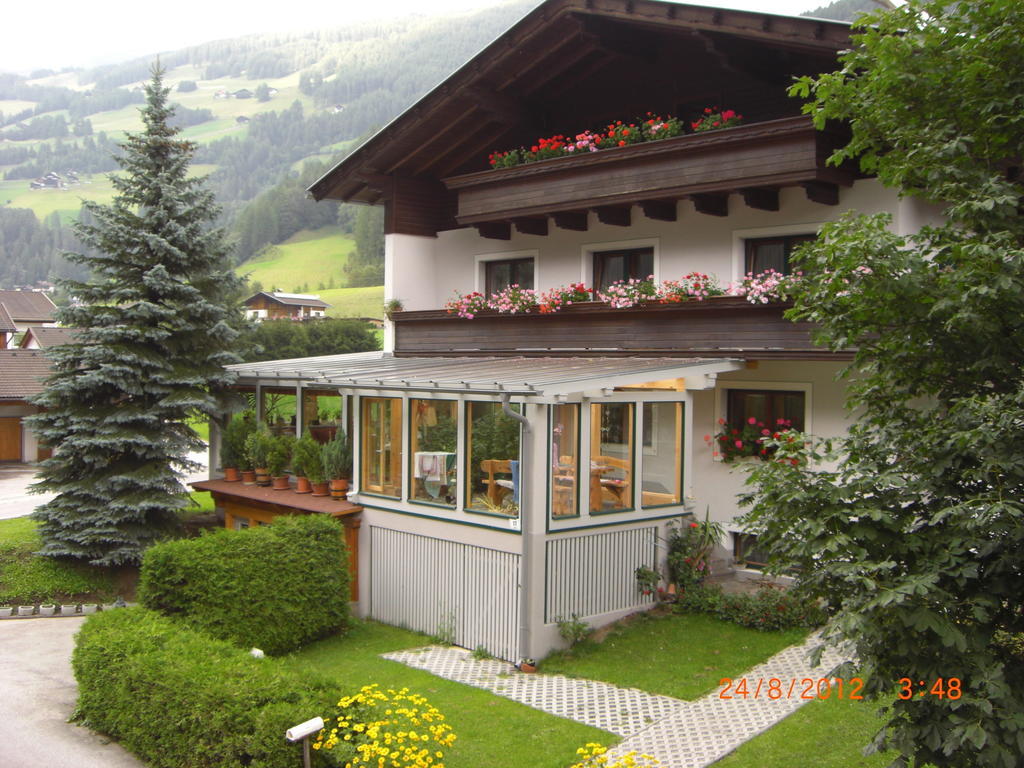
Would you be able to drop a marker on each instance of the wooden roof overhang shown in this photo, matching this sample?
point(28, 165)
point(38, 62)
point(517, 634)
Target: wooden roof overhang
point(573, 64)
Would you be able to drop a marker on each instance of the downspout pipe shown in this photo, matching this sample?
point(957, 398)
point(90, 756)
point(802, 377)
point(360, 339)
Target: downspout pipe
point(527, 524)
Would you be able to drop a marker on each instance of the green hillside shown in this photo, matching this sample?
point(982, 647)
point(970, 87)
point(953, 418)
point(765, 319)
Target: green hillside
point(309, 261)
point(355, 302)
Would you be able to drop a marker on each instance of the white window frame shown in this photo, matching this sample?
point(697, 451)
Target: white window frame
point(480, 266)
point(587, 251)
point(722, 398)
point(740, 237)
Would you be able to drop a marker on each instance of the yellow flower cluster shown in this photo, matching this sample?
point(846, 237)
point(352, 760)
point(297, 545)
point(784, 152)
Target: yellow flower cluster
point(387, 729)
point(595, 755)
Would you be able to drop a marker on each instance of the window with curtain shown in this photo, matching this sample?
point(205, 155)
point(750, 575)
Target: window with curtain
point(627, 264)
point(764, 253)
point(433, 438)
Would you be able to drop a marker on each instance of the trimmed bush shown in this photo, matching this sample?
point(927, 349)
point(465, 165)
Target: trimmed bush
point(177, 697)
point(769, 608)
point(274, 587)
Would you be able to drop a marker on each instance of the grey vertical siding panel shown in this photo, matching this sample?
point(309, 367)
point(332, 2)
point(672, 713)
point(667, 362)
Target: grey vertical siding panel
point(419, 582)
point(594, 573)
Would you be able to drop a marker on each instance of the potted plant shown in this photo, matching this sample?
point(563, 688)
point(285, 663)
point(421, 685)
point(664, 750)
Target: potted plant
point(257, 449)
point(305, 460)
point(232, 444)
point(277, 459)
point(337, 455)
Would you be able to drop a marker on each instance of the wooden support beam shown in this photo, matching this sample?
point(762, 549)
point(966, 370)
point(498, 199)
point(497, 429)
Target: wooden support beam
point(575, 220)
point(532, 226)
point(712, 204)
point(821, 192)
point(495, 230)
point(616, 215)
point(762, 198)
point(659, 210)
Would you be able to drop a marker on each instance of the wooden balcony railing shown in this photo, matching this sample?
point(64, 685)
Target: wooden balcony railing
point(722, 326)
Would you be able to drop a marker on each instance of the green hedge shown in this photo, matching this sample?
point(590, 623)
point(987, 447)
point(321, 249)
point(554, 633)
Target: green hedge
point(274, 587)
point(768, 609)
point(177, 697)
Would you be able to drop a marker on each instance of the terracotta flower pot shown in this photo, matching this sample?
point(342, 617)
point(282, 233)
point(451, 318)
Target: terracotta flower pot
point(248, 477)
point(320, 489)
point(280, 483)
point(339, 489)
point(302, 485)
point(231, 475)
point(525, 666)
point(262, 476)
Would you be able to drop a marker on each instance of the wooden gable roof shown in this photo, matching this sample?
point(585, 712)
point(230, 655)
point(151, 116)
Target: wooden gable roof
point(570, 65)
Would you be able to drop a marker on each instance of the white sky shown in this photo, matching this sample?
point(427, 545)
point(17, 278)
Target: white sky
point(76, 33)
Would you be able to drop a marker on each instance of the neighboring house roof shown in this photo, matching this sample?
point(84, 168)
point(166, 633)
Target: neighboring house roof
point(49, 336)
point(519, 376)
point(568, 53)
point(22, 373)
point(6, 322)
point(291, 299)
point(28, 306)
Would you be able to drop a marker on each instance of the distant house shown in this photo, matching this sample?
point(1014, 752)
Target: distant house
point(7, 327)
point(44, 337)
point(22, 373)
point(28, 308)
point(284, 306)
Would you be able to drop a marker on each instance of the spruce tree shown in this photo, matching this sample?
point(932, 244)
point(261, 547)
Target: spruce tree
point(158, 316)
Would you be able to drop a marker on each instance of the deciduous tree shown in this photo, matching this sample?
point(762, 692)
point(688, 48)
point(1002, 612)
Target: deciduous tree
point(912, 527)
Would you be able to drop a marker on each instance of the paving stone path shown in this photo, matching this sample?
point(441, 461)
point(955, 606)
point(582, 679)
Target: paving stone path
point(680, 734)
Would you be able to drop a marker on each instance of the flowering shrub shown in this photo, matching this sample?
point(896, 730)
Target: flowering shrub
point(689, 549)
point(628, 293)
point(394, 728)
point(595, 755)
point(467, 306)
point(556, 298)
point(513, 299)
point(765, 286)
point(734, 441)
point(695, 285)
point(714, 118)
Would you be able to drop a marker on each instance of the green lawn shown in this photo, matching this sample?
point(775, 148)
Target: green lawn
point(67, 202)
point(26, 578)
point(355, 302)
point(491, 730)
point(680, 655)
point(305, 262)
point(826, 734)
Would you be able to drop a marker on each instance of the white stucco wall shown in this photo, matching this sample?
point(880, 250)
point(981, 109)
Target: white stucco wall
point(714, 484)
point(424, 272)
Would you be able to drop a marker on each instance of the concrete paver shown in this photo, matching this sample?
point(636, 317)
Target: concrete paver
point(37, 696)
point(680, 734)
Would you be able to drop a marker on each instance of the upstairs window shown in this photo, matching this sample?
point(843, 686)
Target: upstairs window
point(499, 275)
point(764, 253)
point(766, 407)
point(614, 266)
